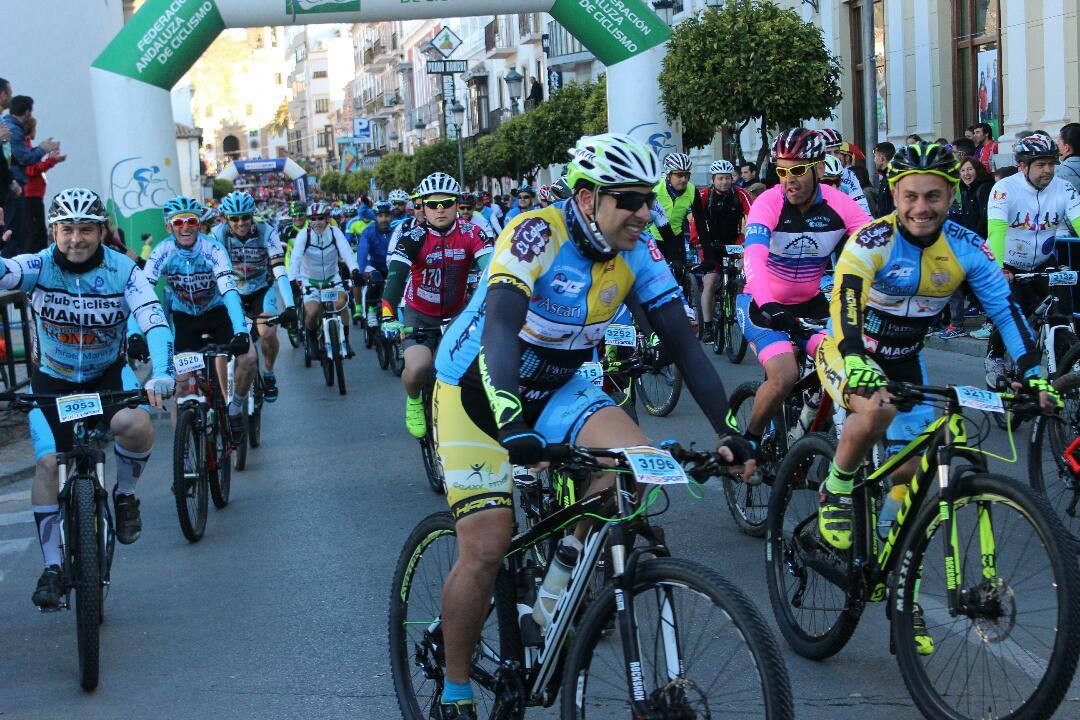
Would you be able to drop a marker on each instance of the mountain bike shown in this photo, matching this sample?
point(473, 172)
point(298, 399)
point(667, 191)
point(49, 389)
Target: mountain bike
point(1054, 455)
point(369, 321)
point(665, 637)
point(329, 348)
point(726, 332)
point(252, 407)
point(986, 562)
point(658, 381)
point(432, 465)
point(87, 537)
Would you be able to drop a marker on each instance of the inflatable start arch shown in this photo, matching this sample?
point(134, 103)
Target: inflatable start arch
point(131, 79)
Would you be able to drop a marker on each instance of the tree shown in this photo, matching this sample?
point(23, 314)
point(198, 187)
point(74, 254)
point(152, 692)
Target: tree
point(331, 183)
point(748, 60)
point(280, 124)
point(222, 187)
point(395, 170)
point(595, 114)
point(439, 156)
point(357, 183)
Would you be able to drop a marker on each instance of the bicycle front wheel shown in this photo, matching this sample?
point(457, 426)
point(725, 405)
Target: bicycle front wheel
point(221, 474)
point(86, 565)
point(1008, 648)
point(1051, 437)
point(190, 481)
point(705, 651)
point(748, 502)
point(660, 390)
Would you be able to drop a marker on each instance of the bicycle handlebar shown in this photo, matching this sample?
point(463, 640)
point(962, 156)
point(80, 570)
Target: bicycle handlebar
point(903, 392)
point(25, 402)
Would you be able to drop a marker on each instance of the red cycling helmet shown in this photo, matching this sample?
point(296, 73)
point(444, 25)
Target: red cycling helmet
point(798, 144)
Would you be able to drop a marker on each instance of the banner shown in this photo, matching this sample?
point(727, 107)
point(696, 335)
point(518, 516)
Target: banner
point(309, 7)
point(988, 96)
point(613, 30)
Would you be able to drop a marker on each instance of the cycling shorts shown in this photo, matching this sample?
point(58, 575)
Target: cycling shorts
point(907, 425)
point(188, 330)
point(47, 432)
point(311, 288)
point(478, 471)
point(262, 301)
point(412, 318)
point(768, 343)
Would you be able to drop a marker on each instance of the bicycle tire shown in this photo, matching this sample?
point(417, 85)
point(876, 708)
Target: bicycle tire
point(86, 568)
point(1060, 550)
point(776, 698)
point(432, 467)
point(306, 342)
point(221, 478)
point(1050, 435)
point(1070, 358)
point(719, 323)
point(327, 362)
point(742, 497)
point(190, 490)
point(404, 648)
point(735, 342)
point(660, 407)
point(781, 557)
point(369, 337)
point(339, 361)
point(294, 338)
point(397, 358)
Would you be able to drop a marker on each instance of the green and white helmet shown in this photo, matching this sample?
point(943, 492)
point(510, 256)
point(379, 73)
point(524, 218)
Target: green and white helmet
point(612, 160)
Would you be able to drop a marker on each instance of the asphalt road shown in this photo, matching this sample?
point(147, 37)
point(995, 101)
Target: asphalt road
point(281, 610)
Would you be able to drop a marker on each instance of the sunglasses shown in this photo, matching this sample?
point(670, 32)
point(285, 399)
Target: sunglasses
point(680, 174)
point(630, 200)
point(440, 204)
point(399, 204)
point(524, 196)
point(180, 222)
point(317, 218)
point(794, 171)
point(240, 218)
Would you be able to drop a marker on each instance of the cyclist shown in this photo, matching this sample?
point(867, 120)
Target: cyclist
point(82, 294)
point(832, 171)
point(1026, 213)
point(507, 382)
point(678, 199)
point(209, 218)
point(399, 202)
point(259, 264)
point(725, 208)
point(791, 232)
point(435, 258)
point(357, 225)
point(415, 217)
point(318, 250)
point(492, 212)
point(202, 290)
point(467, 211)
point(849, 183)
point(297, 221)
point(894, 277)
point(524, 203)
point(371, 259)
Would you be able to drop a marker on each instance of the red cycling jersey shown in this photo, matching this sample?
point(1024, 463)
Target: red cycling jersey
point(439, 264)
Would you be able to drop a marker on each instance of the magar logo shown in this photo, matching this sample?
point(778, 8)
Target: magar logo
point(529, 240)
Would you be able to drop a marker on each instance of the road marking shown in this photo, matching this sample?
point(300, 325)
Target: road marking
point(16, 518)
point(15, 546)
point(15, 496)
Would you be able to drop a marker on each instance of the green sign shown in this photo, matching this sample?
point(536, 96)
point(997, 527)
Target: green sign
point(309, 7)
point(162, 41)
point(613, 30)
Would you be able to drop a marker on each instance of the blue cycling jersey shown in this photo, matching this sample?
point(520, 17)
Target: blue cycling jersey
point(200, 278)
point(80, 318)
point(372, 247)
point(255, 258)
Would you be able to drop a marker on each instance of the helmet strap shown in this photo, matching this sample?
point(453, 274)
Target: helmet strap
point(595, 245)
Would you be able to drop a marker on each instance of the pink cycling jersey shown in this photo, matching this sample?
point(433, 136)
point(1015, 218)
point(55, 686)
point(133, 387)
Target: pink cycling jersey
point(786, 252)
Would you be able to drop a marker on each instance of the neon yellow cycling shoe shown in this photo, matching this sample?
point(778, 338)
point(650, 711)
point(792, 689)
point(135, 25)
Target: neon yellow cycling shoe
point(834, 518)
point(924, 641)
point(415, 422)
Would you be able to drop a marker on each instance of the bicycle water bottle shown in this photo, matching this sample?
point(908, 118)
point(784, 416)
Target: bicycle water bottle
point(811, 403)
point(556, 579)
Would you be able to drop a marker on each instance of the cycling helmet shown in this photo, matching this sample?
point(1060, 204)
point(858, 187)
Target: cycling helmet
point(544, 194)
point(335, 211)
point(612, 160)
point(798, 144)
point(209, 214)
point(677, 161)
point(77, 205)
point(832, 137)
point(833, 167)
point(180, 205)
point(721, 167)
point(383, 207)
point(560, 190)
point(297, 209)
point(238, 202)
point(398, 195)
point(924, 157)
point(1035, 146)
point(438, 183)
point(318, 208)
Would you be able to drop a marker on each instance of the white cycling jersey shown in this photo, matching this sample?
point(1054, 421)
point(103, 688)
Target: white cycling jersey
point(1032, 219)
point(849, 184)
point(315, 257)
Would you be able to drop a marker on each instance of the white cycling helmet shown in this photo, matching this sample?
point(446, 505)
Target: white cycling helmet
point(77, 205)
point(438, 183)
point(398, 195)
point(677, 161)
point(833, 167)
point(318, 208)
point(612, 160)
point(721, 167)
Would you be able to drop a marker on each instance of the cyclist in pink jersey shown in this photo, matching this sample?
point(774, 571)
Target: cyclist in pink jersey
point(791, 232)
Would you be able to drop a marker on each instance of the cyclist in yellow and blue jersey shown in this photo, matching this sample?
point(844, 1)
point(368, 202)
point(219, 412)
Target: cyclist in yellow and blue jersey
point(506, 372)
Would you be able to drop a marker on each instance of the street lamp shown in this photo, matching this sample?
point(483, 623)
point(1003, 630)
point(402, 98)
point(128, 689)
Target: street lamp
point(458, 111)
point(513, 82)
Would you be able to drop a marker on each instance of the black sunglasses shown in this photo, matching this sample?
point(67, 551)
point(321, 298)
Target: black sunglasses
point(630, 200)
point(240, 218)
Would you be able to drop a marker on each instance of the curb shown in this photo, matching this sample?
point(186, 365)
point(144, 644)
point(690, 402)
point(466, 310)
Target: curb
point(964, 345)
point(14, 476)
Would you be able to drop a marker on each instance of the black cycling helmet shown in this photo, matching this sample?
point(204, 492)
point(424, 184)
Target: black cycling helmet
point(924, 157)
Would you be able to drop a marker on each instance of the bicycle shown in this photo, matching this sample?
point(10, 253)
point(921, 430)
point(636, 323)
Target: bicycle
point(1054, 455)
point(369, 321)
point(726, 332)
point(974, 598)
point(87, 538)
point(627, 636)
point(656, 378)
point(253, 404)
point(330, 349)
point(432, 466)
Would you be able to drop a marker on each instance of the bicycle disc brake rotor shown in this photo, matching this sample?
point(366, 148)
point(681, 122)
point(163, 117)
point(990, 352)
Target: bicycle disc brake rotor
point(991, 605)
point(680, 699)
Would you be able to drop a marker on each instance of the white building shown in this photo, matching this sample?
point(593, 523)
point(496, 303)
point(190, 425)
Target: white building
point(323, 64)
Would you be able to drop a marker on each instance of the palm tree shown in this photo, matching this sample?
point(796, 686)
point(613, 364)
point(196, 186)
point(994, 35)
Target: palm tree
point(280, 124)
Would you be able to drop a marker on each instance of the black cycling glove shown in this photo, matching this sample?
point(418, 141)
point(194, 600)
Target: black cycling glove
point(239, 344)
point(524, 445)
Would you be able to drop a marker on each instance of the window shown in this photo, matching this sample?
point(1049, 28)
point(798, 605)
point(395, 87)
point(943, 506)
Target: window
point(277, 78)
point(322, 105)
point(976, 72)
point(858, 95)
point(480, 105)
point(323, 139)
point(318, 74)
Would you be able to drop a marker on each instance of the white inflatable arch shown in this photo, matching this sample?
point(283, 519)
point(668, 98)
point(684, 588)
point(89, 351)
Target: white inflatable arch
point(287, 166)
point(132, 77)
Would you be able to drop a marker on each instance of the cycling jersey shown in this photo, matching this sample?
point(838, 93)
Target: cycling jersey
point(494, 215)
point(80, 317)
point(480, 221)
point(254, 260)
point(850, 186)
point(1023, 223)
point(437, 266)
point(355, 228)
point(787, 251)
point(678, 207)
point(724, 214)
point(371, 249)
point(888, 291)
point(515, 211)
point(200, 278)
point(316, 257)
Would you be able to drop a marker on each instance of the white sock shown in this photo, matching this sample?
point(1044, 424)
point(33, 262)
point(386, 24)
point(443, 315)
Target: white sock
point(129, 466)
point(47, 518)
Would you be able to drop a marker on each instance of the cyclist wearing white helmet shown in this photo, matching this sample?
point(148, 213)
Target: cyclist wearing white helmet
point(678, 199)
point(82, 294)
point(725, 210)
point(507, 382)
point(849, 183)
point(833, 171)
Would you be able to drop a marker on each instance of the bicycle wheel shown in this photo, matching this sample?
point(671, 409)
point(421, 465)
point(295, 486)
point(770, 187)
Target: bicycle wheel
point(734, 341)
point(294, 338)
point(1010, 649)
point(748, 502)
point(382, 352)
point(690, 618)
point(326, 359)
point(339, 367)
point(660, 390)
point(308, 350)
point(221, 476)
point(416, 652)
point(190, 481)
point(1050, 473)
point(86, 567)
point(254, 433)
point(396, 358)
point(808, 604)
point(432, 466)
point(1068, 355)
point(719, 323)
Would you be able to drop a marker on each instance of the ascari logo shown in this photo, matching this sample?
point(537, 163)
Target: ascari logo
point(303, 7)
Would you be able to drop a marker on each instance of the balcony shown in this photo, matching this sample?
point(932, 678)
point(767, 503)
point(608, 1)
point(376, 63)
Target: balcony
point(530, 29)
point(564, 46)
point(499, 38)
point(383, 55)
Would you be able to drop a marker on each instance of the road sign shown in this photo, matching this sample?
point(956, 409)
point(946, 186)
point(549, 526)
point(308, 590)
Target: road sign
point(362, 129)
point(446, 42)
point(444, 67)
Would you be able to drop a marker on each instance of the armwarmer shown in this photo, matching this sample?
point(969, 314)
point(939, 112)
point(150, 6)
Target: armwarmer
point(397, 273)
point(285, 289)
point(500, 361)
point(160, 341)
point(996, 231)
point(235, 307)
